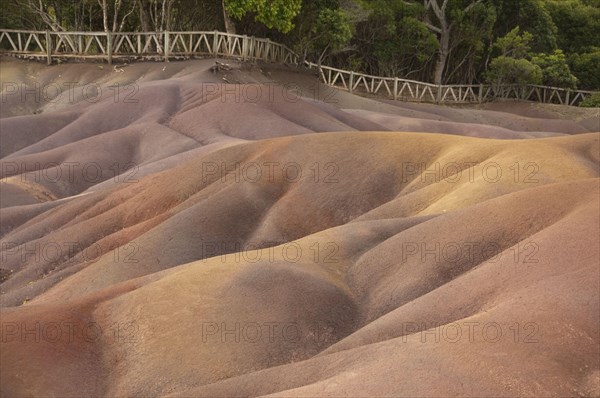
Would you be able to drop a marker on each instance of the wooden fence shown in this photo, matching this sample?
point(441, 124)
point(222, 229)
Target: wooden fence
point(171, 45)
point(412, 90)
point(123, 45)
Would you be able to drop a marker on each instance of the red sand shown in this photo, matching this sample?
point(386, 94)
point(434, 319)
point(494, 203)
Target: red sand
point(205, 242)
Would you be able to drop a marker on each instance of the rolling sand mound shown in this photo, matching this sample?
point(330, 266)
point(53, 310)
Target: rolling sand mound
point(203, 242)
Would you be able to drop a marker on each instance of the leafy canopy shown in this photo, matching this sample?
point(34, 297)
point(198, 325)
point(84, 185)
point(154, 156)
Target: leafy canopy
point(275, 14)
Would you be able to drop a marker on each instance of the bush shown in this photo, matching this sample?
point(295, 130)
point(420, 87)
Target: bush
point(555, 70)
point(507, 70)
point(586, 67)
point(591, 101)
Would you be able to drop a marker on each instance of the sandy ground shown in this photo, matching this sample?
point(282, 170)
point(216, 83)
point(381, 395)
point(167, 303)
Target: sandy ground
point(167, 230)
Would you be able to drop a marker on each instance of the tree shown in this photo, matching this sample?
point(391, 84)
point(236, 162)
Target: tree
point(275, 14)
point(555, 70)
point(62, 15)
point(578, 24)
point(592, 101)
point(18, 15)
point(443, 29)
point(443, 18)
point(331, 32)
point(512, 66)
point(506, 70)
point(586, 67)
point(195, 15)
point(470, 40)
point(159, 15)
point(114, 9)
point(515, 45)
point(532, 16)
point(393, 40)
point(406, 48)
point(320, 28)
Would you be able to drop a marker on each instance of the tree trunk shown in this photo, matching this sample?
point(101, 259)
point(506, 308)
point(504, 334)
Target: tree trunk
point(104, 15)
point(143, 17)
point(229, 25)
point(440, 65)
point(116, 10)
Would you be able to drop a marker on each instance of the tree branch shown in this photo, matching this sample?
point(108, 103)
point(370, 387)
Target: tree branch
point(433, 5)
point(432, 27)
point(125, 17)
point(470, 6)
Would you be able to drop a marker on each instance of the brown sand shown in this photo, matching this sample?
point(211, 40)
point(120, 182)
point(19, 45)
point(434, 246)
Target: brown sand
point(385, 249)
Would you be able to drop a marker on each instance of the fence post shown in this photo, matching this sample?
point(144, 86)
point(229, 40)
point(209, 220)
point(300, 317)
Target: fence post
point(245, 48)
point(395, 88)
point(480, 96)
point(267, 50)
point(167, 45)
point(544, 99)
point(251, 47)
point(568, 97)
point(48, 48)
point(109, 47)
point(215, 43)
point(438, 96)
point(351, 87)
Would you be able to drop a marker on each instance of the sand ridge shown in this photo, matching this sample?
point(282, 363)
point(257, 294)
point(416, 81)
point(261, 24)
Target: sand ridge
point(199, 242)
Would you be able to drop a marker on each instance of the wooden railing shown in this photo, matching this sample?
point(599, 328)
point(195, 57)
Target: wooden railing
point(162, 45)
point(412, 90)
point(173, 45)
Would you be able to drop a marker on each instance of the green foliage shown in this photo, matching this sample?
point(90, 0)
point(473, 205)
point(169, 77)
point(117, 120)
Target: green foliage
point(586, 67)
point(513, 66)
point(321, 28)
point(578, 24)
point(507, 70)
point(532, 16)
point(332, 30)
point(555, 70)
point(494, 40)
point(196, 15)
point(515, 45)
point(518, 66)
point(275, 14)
point(592, 101)
point(16, 15)
point(471, 36)
point(411, 43)
point(393, 40)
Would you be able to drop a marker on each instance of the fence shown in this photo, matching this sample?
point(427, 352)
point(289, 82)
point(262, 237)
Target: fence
point(412, 90)
point(167, 45)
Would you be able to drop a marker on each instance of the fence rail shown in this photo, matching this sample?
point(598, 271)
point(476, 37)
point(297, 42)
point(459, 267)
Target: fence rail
point(167, 45)
point(412, 90)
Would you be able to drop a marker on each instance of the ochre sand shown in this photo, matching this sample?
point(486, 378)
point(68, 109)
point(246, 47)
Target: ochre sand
point(336, 256)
